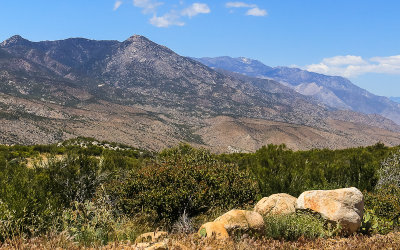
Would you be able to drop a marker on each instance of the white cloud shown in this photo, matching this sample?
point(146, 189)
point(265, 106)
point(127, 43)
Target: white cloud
point(351, 66)
point(239, 5)
point(256, 12)
point(117, 4)
point(169, 19)
point(344, 60)
point(253, 9)
point(195, 9)
point(148, 6)
point(173, 16)
point(387, 60)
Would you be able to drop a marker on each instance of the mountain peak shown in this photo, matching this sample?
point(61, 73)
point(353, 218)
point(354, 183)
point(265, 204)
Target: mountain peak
point(137, 38)
point(245, 60)
point(14, 40)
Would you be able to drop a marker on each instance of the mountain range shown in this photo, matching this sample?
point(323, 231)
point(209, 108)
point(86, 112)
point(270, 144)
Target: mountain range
point(143, 94)
point(334, 91)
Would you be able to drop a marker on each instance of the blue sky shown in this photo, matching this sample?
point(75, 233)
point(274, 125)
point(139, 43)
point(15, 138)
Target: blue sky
point(359, 39)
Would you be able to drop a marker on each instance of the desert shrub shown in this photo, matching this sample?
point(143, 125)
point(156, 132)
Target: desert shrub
point(183, 179)
point(373, 224)
point(294, 226)
point(116, 161)
point(184, 225)
point(35, 197)
point(389, 173)
point(384, 208)
point(383, 204)
point(9, 225)
point(95, 223)
point(27, 208)
point(74, 178)
point(278, 169)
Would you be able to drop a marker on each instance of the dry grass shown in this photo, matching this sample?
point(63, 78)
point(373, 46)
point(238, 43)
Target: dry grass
point(390, 241)
point(183, 242)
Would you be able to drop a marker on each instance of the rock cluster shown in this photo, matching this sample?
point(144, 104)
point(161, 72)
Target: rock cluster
point(344, 207)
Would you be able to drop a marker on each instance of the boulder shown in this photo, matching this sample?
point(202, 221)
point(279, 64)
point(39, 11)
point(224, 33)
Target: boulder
point(344, 206)
point(213, 229)
point(242, 220)
point(276, 204)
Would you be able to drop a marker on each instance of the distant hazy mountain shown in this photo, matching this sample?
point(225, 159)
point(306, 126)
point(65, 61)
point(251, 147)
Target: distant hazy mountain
point(334, 91)
point(395, 99)
point(143, 94)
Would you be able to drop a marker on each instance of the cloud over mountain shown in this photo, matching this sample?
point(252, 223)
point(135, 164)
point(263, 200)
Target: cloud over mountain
point(351, 66)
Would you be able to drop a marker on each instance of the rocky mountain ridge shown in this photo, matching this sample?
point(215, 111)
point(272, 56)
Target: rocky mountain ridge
point(145, 95)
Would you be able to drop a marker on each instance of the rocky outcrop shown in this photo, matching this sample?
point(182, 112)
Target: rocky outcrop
point(343, 206)
point(241, 220)
point(276, 204)
point(213, 229)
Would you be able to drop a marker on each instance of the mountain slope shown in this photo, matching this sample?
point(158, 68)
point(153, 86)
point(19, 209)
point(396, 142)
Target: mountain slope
point(143, 94)
point(334, 91)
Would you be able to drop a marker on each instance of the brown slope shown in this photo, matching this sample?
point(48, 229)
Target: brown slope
point(40, 122)
point(227, 134)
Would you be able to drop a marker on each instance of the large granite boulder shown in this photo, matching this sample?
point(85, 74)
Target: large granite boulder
point(344, 206)
point(276, 204)
point(241, 220)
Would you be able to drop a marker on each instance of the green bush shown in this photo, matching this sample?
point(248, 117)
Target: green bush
point(73, 178)
point(372, 224)
point(180, 188)
point(278, 169)
point(294, 226)
point(93, 224)
point(384, 205)
point(183, 179)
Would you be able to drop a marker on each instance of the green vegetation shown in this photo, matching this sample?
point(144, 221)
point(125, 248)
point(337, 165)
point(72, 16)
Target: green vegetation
point(100, 192)
point(280, 170)
point(182, 179)
point(294, 226)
